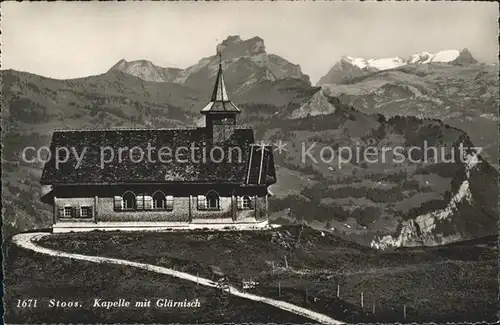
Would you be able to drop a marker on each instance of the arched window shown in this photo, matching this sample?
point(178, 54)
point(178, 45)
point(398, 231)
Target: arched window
point(212, 200)
point(162, 201)
point(129, 201)
point(159, 200)
point(209, 201)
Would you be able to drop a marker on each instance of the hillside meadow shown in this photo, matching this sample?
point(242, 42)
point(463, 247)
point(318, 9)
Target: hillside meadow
point(304, 266)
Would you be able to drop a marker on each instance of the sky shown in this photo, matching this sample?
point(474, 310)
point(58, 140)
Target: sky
point(76, 39)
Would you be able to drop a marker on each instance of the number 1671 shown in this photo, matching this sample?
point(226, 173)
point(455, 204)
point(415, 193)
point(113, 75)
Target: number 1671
point(26, 303)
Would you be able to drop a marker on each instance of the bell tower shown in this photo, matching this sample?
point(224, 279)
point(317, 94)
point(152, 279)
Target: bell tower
point(220, 113)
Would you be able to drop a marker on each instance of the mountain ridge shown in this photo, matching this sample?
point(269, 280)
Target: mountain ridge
point(464, 96)
point(245, 63)
point(146, 70)
point(349, 68)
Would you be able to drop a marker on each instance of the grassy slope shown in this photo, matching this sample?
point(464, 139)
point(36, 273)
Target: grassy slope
point(30, 275)
point(450, 283)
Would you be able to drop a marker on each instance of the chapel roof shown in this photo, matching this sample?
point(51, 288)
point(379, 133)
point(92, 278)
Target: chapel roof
point(256, 166)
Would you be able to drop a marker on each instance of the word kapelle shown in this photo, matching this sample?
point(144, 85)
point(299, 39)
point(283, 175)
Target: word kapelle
point(120, 303)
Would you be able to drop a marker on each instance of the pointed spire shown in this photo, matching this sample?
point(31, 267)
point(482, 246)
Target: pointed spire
point(220, 102)
point(220, 93)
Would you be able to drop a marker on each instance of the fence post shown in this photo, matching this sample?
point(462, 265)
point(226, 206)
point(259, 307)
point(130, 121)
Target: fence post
point(338, 290)
point(404, 311)
point(373, 308)
point(286, 263)
point(361, 299)
point(279, 289)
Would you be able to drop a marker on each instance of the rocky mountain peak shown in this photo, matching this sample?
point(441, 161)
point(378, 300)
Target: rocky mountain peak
point(232, 39)
point(119, 65)
point(245, 63)
point(234, 47)
point(464, 57)
point(146, 70)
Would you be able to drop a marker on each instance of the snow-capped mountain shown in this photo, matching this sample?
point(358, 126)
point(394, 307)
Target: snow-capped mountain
point(350, 67)
point(448, 56)
point(379, 64)
point(245, 63)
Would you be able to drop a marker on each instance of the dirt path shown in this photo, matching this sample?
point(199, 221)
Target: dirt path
point(27, 241)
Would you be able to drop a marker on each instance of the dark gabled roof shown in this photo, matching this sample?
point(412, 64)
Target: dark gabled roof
point(127, 171)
